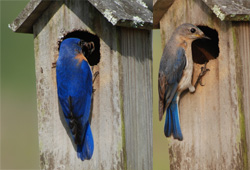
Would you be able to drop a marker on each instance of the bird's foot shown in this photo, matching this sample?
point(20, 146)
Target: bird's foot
point(53, 65)
point(192, 89)
point(94, 76)
point(204, 70)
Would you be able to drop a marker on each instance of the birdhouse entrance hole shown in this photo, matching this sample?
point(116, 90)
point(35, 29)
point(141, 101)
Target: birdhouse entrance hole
point(204, 50)
point(87, 37)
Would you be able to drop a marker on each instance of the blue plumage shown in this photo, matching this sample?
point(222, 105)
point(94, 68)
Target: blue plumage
point(172, 123)
point(170, 78)
point(74, 85)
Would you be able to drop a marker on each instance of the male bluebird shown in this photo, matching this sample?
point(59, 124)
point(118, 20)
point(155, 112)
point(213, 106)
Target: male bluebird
point(74, 87)
point(175, 75)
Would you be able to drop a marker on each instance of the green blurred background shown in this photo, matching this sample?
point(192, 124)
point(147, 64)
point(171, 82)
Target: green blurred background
point(160, 142)
point(19, 132)
point(19, 138)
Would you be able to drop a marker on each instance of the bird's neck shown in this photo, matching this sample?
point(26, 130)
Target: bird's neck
point(185, 42)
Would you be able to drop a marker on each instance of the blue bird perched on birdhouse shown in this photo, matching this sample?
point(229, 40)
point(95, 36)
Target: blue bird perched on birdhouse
point(74, 87)
point(175, 75)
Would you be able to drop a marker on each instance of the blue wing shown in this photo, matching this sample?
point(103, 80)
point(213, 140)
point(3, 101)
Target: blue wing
point(170, 74)
point(74, 85)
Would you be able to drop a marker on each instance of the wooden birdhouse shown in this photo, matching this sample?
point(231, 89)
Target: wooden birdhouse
point(121, 111)
point(215, 120)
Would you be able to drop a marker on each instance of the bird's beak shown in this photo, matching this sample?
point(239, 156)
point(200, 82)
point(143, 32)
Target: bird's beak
point(202, 36)
point(206, 37)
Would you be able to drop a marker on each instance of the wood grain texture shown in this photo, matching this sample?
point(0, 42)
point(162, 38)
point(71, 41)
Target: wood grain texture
point(242, 42)
point(111, 114)
point(237, 10)
point(160, 7)
point(125, 13)
point(25, 20)
point(211, 117)
point(137, 101)
point(118, 12)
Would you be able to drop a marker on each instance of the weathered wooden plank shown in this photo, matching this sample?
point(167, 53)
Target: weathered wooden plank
point(137, 101)
point(111, 113)
point(242, 43)
point(119, 12)
point(237, 10)
point(25, 20)
point(160, 7)
point(210, 118)
point(125, 13)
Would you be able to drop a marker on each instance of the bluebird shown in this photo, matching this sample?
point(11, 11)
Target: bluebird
point(175, 75)
point(74, 87)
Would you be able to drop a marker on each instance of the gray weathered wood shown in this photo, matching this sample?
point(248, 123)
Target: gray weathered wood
point(25, 20)
point(160, 7)
point(237, 10)
point(137, 101)
point(212, 119)
point(122, 103)
point(242, 43)
point(132, 13)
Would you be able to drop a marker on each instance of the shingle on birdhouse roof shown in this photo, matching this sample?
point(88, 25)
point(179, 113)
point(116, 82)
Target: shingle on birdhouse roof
point(236, 10)
point(134, 13)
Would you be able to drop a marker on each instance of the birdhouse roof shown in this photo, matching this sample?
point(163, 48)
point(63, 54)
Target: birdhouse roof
point(237, 10)
point(134, 13)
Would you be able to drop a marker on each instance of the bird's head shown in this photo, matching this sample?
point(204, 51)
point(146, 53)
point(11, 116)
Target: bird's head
point(87, 48)
point(190, 32)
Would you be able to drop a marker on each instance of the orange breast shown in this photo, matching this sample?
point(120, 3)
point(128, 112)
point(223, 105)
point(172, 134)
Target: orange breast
point(80, 57)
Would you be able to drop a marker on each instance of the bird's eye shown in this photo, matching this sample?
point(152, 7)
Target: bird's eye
point(193, 30)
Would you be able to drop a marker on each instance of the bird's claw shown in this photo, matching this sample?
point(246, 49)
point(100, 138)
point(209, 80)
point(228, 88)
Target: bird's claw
point(204, 70)
point(53, 65)
point(200, 82)
point(95, 75)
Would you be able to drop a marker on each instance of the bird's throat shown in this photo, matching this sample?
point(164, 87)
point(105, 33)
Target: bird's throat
point(80, 57)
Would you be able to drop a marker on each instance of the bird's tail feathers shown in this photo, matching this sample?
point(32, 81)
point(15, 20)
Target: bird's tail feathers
point(172, 123)
point(176, 122)
point(85, 151)
point(168, 123)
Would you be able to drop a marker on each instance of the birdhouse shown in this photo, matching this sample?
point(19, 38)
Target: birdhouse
point(215, 120)
point(121, 120)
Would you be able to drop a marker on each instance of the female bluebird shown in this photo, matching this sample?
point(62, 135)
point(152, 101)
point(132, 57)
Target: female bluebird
point(175, 75)
point(74, 87)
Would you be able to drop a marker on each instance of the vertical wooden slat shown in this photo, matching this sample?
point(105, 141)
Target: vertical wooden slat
point(137, 91)
point(242, 42)
point(210, 118)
